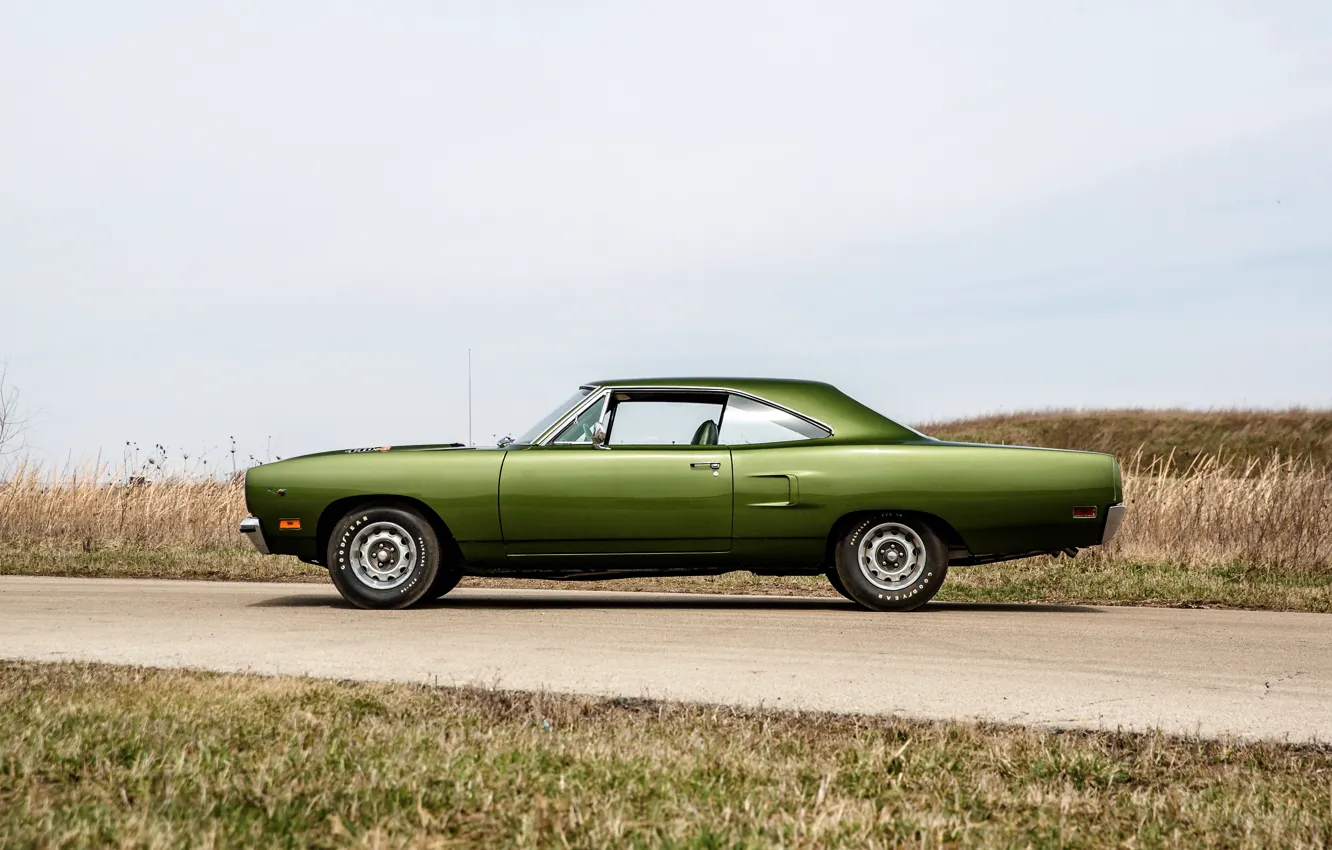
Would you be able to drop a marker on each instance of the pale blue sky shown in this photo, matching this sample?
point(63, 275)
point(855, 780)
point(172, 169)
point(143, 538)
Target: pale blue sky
point(294, 219)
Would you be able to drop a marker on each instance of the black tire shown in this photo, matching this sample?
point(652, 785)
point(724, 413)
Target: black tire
point(413, 586)
point(836, 581)
point(886, 596)
point(450, 573)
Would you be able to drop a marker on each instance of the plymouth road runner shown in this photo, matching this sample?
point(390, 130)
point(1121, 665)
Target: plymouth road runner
point(683, 476)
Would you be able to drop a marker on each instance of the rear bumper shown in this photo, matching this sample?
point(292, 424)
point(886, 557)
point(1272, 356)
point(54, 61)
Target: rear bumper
point(251, 528)
point(1114, 515)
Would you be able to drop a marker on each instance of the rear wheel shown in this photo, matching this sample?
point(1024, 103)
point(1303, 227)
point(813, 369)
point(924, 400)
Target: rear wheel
point(891, 562)
point(836, 581)
point(383, 557)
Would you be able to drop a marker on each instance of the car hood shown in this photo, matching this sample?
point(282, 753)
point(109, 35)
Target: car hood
point(424, 447)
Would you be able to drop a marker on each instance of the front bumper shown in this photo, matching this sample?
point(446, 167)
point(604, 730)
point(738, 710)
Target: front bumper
point(1114, 515)
point(251, 528)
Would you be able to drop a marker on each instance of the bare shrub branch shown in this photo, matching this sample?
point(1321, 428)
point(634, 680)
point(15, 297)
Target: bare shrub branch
point(11, 423)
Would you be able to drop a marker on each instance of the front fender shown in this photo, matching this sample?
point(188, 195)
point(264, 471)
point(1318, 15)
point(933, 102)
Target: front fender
point(461, 487)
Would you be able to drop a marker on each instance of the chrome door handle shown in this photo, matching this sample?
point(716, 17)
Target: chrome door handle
point(704, 465)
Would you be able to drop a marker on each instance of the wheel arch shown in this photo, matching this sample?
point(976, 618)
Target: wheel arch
point(957, 547)
point(336, 510)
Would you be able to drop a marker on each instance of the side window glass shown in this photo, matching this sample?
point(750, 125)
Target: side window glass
point(579, 431)
point(665, 423)
point(748, 421)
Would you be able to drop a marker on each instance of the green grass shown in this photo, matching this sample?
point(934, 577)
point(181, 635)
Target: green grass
point(222, 563)
point(1119, 581)
point(1083, 580)
point(95, 755)
point(1240, 436)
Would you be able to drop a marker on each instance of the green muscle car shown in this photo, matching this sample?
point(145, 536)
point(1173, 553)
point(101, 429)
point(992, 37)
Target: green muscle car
point(683, 476)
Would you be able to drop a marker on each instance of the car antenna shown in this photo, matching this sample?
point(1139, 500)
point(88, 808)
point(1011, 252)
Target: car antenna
point(469, 398)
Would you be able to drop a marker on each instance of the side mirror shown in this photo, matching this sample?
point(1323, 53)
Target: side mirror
point(599, 436)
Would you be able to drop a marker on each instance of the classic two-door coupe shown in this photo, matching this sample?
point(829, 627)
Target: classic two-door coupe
point(683, 476)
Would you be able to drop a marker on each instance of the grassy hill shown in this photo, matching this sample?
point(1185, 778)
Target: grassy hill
point(1239, 436)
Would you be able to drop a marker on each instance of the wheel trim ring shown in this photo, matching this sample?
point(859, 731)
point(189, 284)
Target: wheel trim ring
point(368, 570)
point(891, 579)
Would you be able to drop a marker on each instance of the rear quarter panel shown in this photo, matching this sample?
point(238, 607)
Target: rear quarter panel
point(998, 499)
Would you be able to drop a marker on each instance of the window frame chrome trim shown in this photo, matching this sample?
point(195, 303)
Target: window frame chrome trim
point(569, 420)
point(573, 413)
point(606, 391)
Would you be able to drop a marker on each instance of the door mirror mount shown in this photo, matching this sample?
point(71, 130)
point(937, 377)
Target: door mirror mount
point(599, 436)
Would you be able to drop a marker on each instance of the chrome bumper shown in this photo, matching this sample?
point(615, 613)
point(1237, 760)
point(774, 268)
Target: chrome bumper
point(1114, 515)
point(251, 528)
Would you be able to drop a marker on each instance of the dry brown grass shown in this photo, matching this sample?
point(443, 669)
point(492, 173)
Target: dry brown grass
point(1273, 516)
point(83, 511)
point(1258, 536)
point(112, 756)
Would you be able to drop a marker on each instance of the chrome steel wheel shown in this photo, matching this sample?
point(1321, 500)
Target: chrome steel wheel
point(382, 555)
point(891, 556)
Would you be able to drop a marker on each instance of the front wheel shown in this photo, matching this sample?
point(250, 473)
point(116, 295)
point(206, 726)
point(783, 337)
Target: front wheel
point(450, 573)
point(891, 562)
point(383, 557)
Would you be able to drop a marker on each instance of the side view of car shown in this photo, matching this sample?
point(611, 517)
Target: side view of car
point(683, 476)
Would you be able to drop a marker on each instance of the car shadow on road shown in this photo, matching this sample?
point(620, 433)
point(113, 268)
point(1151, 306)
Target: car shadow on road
point(304, 600)
point(588, 600)
point(741, 603)
point(620, 599)
point(1008, 607)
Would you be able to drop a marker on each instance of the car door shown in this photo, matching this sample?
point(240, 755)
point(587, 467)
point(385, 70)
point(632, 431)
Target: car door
point(660, 485)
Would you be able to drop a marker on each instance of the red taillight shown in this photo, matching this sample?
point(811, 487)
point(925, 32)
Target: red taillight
point(1084, 513)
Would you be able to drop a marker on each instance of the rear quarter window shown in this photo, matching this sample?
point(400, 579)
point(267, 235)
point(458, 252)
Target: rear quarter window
point(748, 421)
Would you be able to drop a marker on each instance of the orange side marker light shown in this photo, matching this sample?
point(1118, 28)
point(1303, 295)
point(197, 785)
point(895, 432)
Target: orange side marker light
point(289, 524)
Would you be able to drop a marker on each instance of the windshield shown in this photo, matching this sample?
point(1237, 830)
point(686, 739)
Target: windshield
point(546, 421)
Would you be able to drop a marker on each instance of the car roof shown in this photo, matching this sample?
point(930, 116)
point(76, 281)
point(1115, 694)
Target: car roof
point(850, 420)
